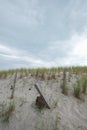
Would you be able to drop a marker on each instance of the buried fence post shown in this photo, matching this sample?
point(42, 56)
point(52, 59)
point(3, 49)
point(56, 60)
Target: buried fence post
point(41, 100)
point(64, 77)
point(64, 87)
point(13, 86)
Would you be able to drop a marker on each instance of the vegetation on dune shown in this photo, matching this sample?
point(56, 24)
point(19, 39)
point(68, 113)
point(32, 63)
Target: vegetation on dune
point(47, 74)
point(50, 74)
point(6, 110)
point(81, 86)
point(64, 85)
point(77, 89)
point(53, 70)
point(84, 84)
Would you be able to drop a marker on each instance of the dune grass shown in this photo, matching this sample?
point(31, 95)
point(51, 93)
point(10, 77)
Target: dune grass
point(6, 110)
point(77, 90)
point(84, 84)
point(81, 86)
point(53, 70)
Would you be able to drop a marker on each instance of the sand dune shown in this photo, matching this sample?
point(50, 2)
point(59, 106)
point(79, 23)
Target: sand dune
point(66, 113)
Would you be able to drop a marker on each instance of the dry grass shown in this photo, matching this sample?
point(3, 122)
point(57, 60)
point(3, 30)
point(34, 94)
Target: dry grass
point(73, 69)
point(6, 111)
point(84, 85)
point(77, 90)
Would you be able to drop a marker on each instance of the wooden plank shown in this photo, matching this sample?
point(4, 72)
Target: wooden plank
point(37, 88)
point(13, 86)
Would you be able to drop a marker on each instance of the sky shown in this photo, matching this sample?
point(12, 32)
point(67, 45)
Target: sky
point(43, 33)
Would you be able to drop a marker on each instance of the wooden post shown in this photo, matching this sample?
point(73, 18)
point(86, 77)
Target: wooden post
point(64, 87)
point(13, 87)
point(37, 88)
point(64, 78)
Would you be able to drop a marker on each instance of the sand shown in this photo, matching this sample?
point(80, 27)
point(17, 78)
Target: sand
point(66, 113)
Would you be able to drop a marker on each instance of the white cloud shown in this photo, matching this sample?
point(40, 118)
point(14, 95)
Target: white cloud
point(80, 48)
point(75, 48)
point(14, 55)
point(78, 53)
point(5, 49)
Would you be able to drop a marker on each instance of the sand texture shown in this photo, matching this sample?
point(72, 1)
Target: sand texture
point(66, 113)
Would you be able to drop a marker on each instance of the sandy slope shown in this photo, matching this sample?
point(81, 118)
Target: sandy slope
point(66, 113)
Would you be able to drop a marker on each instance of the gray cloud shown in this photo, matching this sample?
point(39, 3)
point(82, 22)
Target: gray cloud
point(42, 33)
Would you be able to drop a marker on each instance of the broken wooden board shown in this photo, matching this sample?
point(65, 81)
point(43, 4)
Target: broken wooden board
point(41, 97)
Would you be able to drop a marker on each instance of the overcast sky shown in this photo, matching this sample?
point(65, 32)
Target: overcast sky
point(43, 33)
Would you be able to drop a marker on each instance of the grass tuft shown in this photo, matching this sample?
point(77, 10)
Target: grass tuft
point(6, 111)
point(84, 85)
point(77, 90)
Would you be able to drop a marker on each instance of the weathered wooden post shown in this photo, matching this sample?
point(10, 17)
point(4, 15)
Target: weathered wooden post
point(40, 101)
point(64, 87)
point(64, 78)
point(13, 86)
